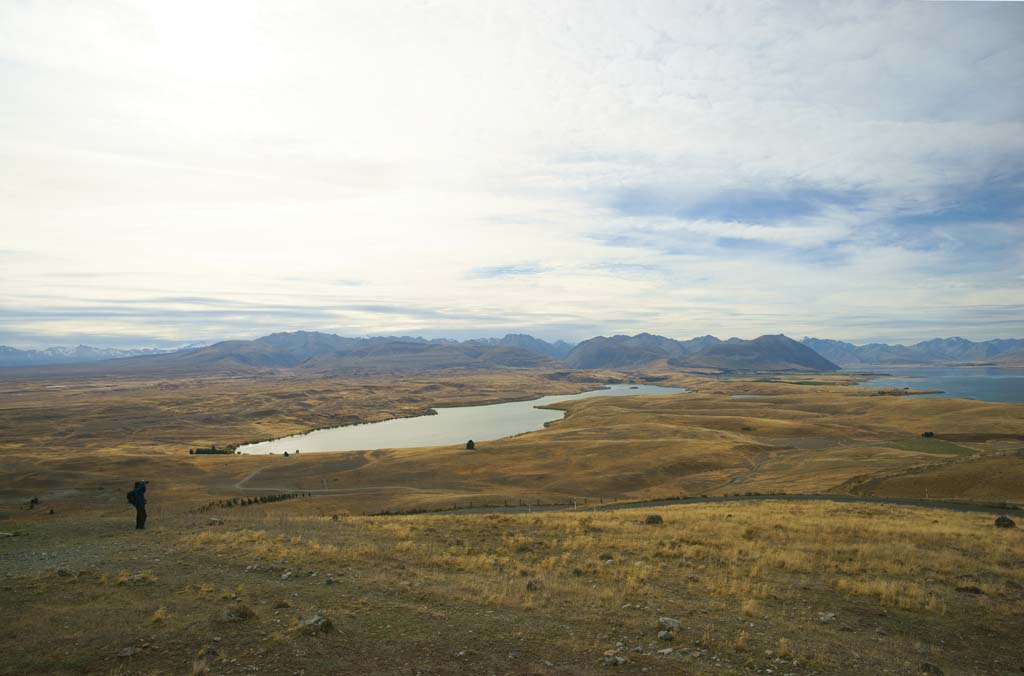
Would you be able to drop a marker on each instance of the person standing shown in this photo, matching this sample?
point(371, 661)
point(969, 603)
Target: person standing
point(139, 500)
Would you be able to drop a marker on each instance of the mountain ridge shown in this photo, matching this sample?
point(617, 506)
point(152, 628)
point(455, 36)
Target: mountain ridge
point(292, 349)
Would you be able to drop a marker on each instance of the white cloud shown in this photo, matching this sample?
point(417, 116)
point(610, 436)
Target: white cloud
point(221, 149)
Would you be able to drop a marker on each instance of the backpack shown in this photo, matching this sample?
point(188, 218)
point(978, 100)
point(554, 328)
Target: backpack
point(131, 497)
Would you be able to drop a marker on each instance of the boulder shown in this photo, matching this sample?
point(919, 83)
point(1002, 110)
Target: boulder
point(666, 635)
point(214, 521)
point(319, 623)
point(654, 520)
point(1003, 521)
point(929, 669)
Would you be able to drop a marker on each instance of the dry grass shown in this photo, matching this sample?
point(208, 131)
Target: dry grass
point(742, 579)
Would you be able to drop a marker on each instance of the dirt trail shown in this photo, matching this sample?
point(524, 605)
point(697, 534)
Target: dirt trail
point(320, 491)
point(903, 502)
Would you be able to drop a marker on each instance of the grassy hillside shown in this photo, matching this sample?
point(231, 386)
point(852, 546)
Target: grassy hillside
point(756, 588)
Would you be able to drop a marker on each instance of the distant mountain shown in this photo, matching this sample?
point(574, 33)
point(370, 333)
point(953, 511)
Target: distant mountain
point(557, 350)
point(767, 353)
point(328, 354)
point(936, 351)
point(625, 351)
point(10, 356)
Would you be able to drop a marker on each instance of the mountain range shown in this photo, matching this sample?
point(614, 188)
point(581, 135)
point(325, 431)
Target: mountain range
point(329, 353)
point(767, 353)
point(10, 356)
point(936, 351)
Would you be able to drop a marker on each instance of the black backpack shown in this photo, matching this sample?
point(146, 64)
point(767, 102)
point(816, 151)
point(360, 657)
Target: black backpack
point(131, 497)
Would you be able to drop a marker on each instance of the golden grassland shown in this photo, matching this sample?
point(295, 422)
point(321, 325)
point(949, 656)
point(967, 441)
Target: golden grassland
point(77, 444)
point(809, 588)
point(797, 588)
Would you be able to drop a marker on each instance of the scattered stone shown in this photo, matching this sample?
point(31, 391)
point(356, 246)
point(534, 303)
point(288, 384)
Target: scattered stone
point(238, 613)
point(317, 624)
point(127, 651)
point(286, 575)
point(669, 623)
point(825, 618)
point(614, 660)
point(929, 669)
point(666, 635)
point(1003, 521)
point(654, 520)
point(214, 521)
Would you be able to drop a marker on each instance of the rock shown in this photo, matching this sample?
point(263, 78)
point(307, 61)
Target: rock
point(654, 520)
point(6, 535)
point(286, 575)
point(825, 618)
point(127, 651)
point(317, 624)
point(533, 586)
point(614, 660)
point(666, 635)
point(665, 651)
point(214, 521)
point(669, 623)
point(238, 613)
point(63, 572)
point(329, 581)
point(1003, 521)
point(970, 589)
point(929, 669)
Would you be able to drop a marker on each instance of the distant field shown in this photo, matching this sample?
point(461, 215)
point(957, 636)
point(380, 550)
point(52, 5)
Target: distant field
point(76, 447)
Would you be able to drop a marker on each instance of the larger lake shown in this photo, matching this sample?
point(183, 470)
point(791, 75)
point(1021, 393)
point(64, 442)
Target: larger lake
point(453, 425)
point(985, 384)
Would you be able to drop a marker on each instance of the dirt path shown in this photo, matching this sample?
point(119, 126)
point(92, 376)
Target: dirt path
point(904, 502)
point(320, 491)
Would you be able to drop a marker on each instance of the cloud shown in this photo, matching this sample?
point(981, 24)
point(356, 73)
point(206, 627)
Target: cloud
point(490, 272)
point(599, 167)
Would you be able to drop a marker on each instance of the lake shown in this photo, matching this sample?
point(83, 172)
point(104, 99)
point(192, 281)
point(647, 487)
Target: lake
point(985, 384)
point(453, 425)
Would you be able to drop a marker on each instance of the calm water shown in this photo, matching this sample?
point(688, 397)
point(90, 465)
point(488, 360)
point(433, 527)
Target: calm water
point(450, 426)
point(985, 384)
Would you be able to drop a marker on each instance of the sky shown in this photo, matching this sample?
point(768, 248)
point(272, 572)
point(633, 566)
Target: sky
point(173, 172)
